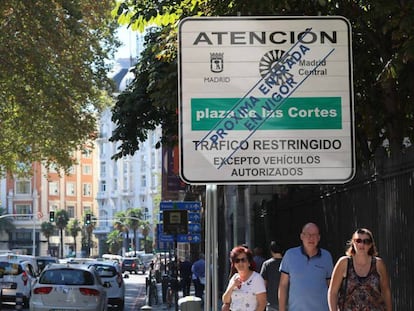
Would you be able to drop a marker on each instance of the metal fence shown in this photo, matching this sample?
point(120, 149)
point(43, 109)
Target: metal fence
point(381, 200)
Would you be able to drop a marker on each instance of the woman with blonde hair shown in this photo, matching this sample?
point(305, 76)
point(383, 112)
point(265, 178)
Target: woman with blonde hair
point(361, 278)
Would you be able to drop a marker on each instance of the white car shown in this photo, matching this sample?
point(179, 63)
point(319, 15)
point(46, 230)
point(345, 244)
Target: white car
point(16, 276)
point(69, 287)
point(43, 261)
point(111, 276)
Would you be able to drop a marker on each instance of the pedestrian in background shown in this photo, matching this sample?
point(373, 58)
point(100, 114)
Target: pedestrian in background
point(246, 289)
point(185, 275)
point(198, 270)
point(305, 274)
point(258, 258)
point(271, 275)
point(364, 275)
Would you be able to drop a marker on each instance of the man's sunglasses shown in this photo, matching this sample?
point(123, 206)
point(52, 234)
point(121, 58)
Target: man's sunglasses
point(365, 241)
point(237, 260)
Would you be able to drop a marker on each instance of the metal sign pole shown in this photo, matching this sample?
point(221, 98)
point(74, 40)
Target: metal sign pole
point(211, 299)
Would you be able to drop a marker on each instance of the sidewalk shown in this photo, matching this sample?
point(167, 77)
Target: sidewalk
point(163, 306)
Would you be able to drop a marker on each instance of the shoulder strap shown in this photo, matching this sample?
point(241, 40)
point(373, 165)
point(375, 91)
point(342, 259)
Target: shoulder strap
point(345, 282)
point(348, 266)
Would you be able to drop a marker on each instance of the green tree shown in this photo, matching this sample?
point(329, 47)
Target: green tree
point(47, 229)
point(133, 219)
point(114, 240)
point(74, 228)
point(383, 59)
point(53, 77)
point(146, 229)
point(62, 219)
point(121, 226)
point(6, 224)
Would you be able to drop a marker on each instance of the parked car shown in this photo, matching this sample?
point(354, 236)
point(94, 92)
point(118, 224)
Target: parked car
point(69, 287)
point(133, 265)
point(111, 276)
point(16, 276)
point(43, 261)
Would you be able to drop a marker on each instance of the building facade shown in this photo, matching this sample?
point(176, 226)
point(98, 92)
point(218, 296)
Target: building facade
point(28, 201)
point(130, 182)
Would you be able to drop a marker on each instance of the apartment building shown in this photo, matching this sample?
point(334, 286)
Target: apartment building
point(28, 201)
point(130, 182)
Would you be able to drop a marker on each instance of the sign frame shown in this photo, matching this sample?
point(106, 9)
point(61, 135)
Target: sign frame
point(208, 76)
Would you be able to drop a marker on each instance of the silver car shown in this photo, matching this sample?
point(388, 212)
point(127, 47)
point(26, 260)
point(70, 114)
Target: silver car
point(68, 287)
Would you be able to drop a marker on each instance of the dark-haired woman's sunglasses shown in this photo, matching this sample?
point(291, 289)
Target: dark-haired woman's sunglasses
point(365, 241)
point(243, 259)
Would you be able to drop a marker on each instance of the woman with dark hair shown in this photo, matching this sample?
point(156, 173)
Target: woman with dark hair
point(246, 290)
point(364, 275)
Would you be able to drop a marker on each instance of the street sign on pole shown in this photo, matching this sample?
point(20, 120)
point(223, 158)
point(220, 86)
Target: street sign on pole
point(266, 100)
point(181, 205)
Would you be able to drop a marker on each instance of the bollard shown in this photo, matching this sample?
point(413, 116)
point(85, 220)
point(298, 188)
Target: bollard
point(189, 303)
point(19, 301)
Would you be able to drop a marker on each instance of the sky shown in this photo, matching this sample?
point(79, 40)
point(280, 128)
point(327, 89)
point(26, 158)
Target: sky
point(128, 48)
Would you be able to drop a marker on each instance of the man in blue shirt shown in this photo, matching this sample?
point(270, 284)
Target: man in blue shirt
point(305, 274)
point(199, 275)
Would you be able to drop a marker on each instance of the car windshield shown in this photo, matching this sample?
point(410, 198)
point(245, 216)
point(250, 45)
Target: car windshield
point(105, 271)
point(66, 277)
point(10, 268)
point(42, 262)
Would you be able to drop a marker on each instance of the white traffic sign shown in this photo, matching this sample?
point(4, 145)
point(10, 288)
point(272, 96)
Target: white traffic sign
point(266, 100)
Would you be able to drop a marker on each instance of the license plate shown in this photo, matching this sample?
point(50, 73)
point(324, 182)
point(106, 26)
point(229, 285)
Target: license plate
point(64, 290)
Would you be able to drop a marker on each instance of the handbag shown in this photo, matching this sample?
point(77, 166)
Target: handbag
point(343, 288)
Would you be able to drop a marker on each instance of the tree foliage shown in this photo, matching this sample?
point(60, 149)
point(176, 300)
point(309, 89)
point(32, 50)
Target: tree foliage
point(114, 241)
point(73, 228)
point(383, 61)
point(6, 224)
point(47, 228)
point(53, 78)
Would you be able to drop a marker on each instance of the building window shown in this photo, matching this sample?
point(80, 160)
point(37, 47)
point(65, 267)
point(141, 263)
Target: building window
point(87, 169)
point(126, 167)
point(53, 168)
point(71, 211)
point(23, 209)
point(53, 188)
point(87, 190)
point(115, 184)
point(70, 188)
point(86, 153)
point(24, 236)
point(103, 169)
point(103, 185)
point(23, 186)
point(71, 170)
point(143, 181)
point(126, 183)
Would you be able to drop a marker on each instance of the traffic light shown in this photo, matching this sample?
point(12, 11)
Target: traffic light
point(51, 216)
point(88, 219)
